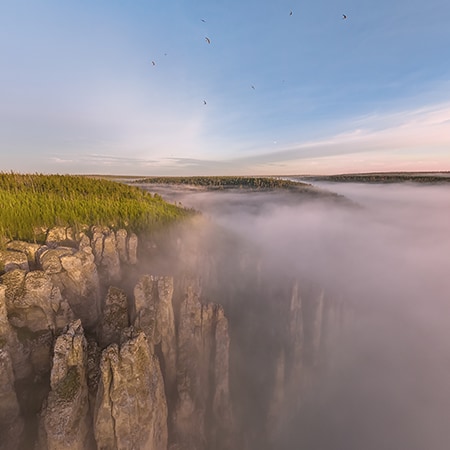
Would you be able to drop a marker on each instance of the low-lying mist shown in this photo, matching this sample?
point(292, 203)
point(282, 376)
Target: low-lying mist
point(385, 251)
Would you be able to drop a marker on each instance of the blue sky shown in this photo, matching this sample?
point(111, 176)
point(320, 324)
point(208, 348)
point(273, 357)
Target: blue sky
point(285, 94)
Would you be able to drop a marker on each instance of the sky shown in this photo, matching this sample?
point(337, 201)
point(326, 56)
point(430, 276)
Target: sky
point(135, 88)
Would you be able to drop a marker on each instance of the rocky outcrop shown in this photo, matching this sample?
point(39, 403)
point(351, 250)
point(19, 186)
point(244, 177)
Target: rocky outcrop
point(75, 273)
point(11, 423)
point(111, 250)
point(132, 249)
point(9, 342)
point(61, 236)
point(29, 299)
point(11, 260)
point(114, 317)
point(202, 412)
point(33, 304)
point(153, 313)
point(131, 408)
point(28, 248)
point(65, 418)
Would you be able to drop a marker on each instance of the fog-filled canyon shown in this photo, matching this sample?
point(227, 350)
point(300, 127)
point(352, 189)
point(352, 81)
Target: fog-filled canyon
point(275, 320)
point(386, 256)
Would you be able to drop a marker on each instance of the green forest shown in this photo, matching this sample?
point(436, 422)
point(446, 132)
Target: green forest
point(32, 202)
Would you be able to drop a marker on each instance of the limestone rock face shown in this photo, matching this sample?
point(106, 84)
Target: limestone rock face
point(131, 408)
point(36, 309)
point(132, 249)
point(11, 424)
point(114, 317)
point(29, 298)
point(106, 253)
point(61, 235)
point(203, 343)
point(75, 273)
point(83, 241)
point(11, 344)
point(11, 260)
point(50, 258)
point(110, 258)
point(122, 247)
point(155, 316)
point(221, 433)
point(30, 249)
point(65, 418)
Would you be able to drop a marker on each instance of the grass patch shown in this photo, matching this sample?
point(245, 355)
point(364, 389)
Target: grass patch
point(33, 202)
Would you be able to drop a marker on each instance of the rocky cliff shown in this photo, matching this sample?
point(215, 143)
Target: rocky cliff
point(96, 353)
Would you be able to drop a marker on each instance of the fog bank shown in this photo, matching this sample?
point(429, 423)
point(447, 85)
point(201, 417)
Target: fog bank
point(387, 255)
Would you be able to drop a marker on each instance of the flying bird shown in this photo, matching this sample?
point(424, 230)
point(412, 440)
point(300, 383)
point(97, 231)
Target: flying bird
point(208, 40)
point(344, 16)
point(290, 13)
point(204, 102)
point(203, 20)
point(253, 87)
point(153, 62)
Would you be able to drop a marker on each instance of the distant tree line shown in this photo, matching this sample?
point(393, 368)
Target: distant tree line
point(441, 177)
point(226, 182)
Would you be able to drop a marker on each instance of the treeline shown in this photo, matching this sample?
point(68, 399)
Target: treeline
point(226, 182)
point(30, 203)
point(385, 178)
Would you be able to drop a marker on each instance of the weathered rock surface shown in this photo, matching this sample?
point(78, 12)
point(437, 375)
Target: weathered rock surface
point(110, 258)
point(132, 249)
point(65, 419)
point(30, 249)
point(29, 299)
point(114, 317)
point(153, 314)
point(11, 344)
point(61, 236)
point(11, 260)
point(200, 376)
point(131, 408)
point(122, 247)
point(11, 423)
point(75, 273)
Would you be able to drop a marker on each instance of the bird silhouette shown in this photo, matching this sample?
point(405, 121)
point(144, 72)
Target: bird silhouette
point(253, 87)
point(208, 40)
point(203, 20)
point(344, 16)
point(153, 63)
point(290, 13)
point(204, 102)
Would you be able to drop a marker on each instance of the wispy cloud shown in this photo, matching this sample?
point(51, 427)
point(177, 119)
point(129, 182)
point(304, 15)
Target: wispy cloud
point(406, 132)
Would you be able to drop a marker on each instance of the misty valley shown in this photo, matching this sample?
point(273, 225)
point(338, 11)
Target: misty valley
point(274, 318)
